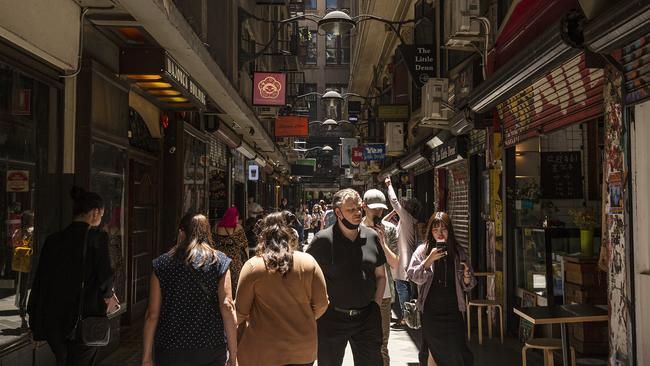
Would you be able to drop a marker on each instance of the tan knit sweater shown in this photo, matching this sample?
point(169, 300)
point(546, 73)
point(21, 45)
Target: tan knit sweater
point(279, 312)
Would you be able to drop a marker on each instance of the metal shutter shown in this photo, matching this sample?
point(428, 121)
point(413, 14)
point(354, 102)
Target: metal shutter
point(635, 58)
point(458, 201)
point(569, 94)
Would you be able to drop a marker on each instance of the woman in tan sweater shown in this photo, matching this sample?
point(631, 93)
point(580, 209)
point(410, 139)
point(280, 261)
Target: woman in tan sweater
point(281, 294)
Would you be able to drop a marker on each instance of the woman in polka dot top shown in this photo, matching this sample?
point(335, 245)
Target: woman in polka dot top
point(191, 316)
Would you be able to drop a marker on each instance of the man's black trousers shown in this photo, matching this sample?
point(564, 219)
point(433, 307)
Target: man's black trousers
point(363, 331)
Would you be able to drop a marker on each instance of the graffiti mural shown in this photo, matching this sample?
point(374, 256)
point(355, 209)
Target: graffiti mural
point(614, 232)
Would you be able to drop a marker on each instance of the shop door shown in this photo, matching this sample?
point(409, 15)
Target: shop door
point(143, 233)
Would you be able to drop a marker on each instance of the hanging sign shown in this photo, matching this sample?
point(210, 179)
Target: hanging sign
point(17, 180)
point(269, 88)
point(452, 149)
point(374, 152)
point(292, 126)
point(393, 113)
point(253, 172)
point(420, 60)
point(357, 154)
point(347, 144)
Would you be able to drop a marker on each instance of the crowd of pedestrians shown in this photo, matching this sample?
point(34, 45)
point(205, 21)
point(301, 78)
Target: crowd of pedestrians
point(264, 294)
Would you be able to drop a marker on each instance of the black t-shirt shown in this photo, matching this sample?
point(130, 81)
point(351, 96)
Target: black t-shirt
point(348, 266)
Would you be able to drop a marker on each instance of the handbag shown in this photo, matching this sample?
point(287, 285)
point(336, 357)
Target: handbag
point(92, 331)
point(412, 314)
point(22, 259)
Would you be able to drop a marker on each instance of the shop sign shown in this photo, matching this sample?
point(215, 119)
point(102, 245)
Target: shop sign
point(374, 152)
point(394, 138)
point(449, 151)
point(393, 113)
point(292, 126)
point(176, 72)
point(347, 144)
point(253, 172)
point(420, 60)
point(17, 180)
point(269, 88)
point(357, 154)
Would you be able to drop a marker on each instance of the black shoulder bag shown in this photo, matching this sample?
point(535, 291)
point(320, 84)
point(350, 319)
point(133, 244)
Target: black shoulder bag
point(94, 331)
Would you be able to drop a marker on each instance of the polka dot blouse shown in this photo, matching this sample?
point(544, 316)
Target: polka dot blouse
point(188, 321)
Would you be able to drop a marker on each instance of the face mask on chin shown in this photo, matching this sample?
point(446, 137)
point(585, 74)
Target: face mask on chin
point(348, 224)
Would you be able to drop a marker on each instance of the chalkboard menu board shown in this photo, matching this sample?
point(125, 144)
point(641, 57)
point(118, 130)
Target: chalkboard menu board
point(561, 175)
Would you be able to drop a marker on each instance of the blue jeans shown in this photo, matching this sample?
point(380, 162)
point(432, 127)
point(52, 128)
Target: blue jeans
point(403, 289)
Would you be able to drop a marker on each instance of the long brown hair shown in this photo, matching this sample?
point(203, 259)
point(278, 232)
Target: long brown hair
point(276, 244)
point(197, 248)
point(441, 219)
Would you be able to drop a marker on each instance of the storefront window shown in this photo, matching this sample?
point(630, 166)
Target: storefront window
point(28, 116)
point(551, 180)
point(108, 180)
point(218, 183)
point(196, 172)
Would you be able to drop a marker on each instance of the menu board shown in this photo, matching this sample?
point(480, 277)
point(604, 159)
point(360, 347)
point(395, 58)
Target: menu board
point(561, 175)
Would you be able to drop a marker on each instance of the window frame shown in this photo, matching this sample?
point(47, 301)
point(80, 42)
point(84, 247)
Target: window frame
point(339, 47)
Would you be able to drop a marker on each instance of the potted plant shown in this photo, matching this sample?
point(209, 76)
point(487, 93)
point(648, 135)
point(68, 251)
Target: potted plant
point(586, 219)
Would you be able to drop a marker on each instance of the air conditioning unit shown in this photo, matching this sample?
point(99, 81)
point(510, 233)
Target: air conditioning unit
point(435, 97)
point(461, 30)
point(266, 111)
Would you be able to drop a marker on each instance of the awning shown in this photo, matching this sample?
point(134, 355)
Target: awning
point(225, 134)
point(418, 156)
point(390, 170)
point(618, 25)
point(543, 54)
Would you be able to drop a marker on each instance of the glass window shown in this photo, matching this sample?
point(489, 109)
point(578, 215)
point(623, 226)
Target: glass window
point(311, 102)
point(108, 180)
point(195, 166)
point(28, 117)
point(337, 49)
point(337, 4)
point(310, 4)
point(308, 46)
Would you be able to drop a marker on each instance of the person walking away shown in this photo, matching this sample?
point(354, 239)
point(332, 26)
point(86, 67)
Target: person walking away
point(253, 208)
point(443, 273)
point(53, 306)
point(281, 294)
point(231, 239)
point(190, 320)
point(352, 261)
point(317, 218)
point(408, 211)
point(374, 204)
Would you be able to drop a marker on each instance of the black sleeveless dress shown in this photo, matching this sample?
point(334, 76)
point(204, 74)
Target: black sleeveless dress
point(443, 326)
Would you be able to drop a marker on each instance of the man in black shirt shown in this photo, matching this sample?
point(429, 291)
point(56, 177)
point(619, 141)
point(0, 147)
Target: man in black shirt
point(352, 261)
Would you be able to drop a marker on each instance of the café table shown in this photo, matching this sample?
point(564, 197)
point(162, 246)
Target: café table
point(563, 315)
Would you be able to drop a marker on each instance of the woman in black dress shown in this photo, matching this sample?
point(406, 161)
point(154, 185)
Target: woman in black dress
point(443, 273)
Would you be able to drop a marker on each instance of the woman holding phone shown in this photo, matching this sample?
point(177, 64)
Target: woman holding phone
point(440, 267)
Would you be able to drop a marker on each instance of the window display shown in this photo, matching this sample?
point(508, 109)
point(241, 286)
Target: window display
point(28, 111)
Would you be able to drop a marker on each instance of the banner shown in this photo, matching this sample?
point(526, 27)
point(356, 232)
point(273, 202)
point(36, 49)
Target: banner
point(374, 152)
point(347, 144)
point(292, 126)
point(269, 88)
point(253, 172)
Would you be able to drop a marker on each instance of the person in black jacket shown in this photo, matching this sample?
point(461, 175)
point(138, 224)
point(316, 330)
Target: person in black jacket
point(54, 301)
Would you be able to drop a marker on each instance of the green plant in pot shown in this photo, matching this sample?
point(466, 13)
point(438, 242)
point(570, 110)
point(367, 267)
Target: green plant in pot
point(586, 219)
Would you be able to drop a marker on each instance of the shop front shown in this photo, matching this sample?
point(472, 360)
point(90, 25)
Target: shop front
point(420, 175)
point(452, 185)
point(553, 135)
point(30, 189)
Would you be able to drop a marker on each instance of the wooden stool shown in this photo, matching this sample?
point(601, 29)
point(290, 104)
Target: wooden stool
point(548, 345)
point(480, 304)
